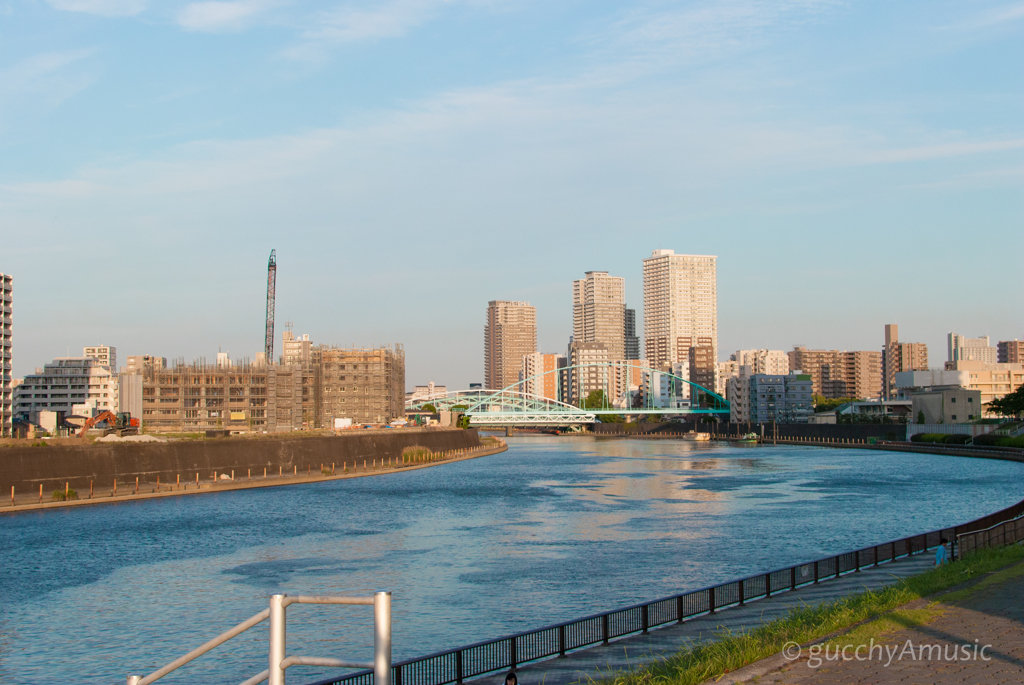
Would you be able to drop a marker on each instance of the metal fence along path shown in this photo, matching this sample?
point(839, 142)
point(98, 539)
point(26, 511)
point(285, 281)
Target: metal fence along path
point(505, 653)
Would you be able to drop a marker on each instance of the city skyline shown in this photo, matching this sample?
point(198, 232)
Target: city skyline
point(723, 353)
point(850, 165)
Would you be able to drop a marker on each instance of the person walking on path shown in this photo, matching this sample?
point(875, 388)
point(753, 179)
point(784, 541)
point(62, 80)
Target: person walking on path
point(941, 554)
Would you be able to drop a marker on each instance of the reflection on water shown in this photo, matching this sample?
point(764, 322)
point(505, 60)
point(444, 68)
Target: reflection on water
point(552, 529)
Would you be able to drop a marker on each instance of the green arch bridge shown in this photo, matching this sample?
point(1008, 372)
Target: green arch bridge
point(661, 393)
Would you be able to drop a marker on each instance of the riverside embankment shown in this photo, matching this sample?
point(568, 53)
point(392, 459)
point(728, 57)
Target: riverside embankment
point(146, 469)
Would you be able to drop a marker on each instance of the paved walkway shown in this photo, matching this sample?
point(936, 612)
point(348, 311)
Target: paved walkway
point(629, 652)
point(991, 614)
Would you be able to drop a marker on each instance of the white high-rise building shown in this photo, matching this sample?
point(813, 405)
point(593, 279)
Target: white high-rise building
point(105, 354)
point(680, 306)
point(962, 348)
point(6, 391)
point(599, 312)
point(771, 362)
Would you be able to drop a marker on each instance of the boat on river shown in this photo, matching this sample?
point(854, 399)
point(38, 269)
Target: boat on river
point(748, 438)
point(694, 436)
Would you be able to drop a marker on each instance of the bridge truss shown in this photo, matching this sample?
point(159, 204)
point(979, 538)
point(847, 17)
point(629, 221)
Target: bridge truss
point(661, 393)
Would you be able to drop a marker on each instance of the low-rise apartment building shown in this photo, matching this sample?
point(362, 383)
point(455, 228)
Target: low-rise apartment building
point(766, 398)
point(992, 380)
point(63, 383)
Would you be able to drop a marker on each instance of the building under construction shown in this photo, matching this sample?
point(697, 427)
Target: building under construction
point(366, 385)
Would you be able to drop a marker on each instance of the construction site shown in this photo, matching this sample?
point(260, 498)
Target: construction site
point(308, 387)
point(362, 385)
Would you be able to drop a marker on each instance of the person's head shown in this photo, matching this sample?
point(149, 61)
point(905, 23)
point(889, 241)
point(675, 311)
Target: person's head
point(943, 541)
point(511, 678)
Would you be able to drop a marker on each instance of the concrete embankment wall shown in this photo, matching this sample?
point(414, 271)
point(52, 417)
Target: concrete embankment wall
point(27, 467)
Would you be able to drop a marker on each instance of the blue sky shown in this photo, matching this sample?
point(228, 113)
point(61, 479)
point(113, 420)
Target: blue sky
point(851, 164)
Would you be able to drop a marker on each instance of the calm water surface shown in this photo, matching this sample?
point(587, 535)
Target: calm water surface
point(550, 530)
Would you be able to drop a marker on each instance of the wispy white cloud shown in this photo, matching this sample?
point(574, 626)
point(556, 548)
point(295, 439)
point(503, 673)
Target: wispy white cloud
point(377, 20)
point(352, 22)
point(216, 17)
point(105, 8)
point(706, 30)
point(942, 151)
point(996, 16)
point(44, 79)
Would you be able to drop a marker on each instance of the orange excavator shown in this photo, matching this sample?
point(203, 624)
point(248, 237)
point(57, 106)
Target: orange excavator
point(121, 423)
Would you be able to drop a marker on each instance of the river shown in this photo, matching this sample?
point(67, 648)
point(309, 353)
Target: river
point(552, 529)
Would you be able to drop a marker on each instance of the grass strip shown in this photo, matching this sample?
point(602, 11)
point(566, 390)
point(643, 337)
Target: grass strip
point(729, 652)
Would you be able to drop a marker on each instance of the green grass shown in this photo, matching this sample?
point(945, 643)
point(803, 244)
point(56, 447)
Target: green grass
point(732, 651)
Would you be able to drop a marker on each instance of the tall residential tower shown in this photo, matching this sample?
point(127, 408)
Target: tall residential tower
point(599, 312)
point(632, 340)
point(509, 335)
point(898, 357)
point(680, 306)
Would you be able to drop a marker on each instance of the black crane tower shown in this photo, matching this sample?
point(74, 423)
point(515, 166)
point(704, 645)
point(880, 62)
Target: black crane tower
point(271, 282)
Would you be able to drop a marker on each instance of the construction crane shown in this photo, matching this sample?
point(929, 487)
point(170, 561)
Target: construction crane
point(271, 282)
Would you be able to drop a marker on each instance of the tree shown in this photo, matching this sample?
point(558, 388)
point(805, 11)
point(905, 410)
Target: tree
point(822, 403)
point(595, 400)
point(429, 407)
point(1009, 405)
point(920, 416)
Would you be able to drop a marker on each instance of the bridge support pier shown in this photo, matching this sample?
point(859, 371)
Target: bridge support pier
point(508, 431)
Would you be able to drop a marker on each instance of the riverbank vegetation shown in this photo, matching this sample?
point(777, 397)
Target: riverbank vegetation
point(733, 651)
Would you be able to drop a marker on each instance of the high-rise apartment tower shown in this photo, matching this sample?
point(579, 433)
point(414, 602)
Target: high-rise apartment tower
point(509, 334)
point(962, 348)
point(631, 339)
point(898, 357)
point(680, 305)
point(599, 312)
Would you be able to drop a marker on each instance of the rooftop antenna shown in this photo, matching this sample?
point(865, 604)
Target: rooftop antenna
point(271, 284)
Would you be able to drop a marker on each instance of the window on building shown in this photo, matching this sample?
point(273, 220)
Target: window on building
point(953, 417)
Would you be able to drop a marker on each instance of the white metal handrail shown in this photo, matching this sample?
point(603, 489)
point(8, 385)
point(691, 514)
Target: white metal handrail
point(279, 661)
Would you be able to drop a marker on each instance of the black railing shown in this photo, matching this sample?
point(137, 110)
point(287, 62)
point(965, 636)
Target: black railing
point(457, 665)
point(999, 535)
